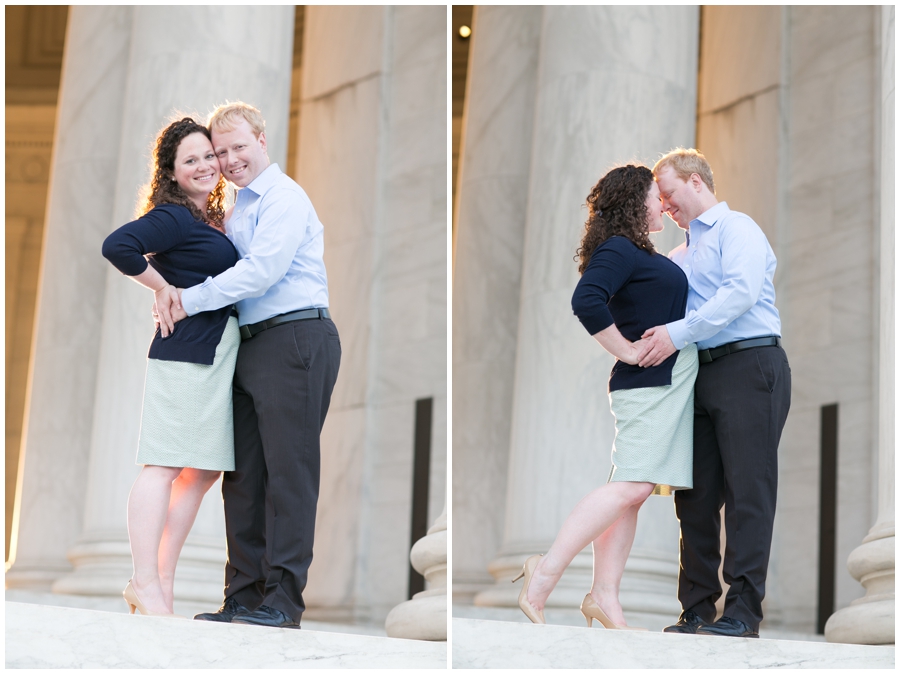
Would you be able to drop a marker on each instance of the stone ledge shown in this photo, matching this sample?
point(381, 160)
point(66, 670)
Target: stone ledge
point(506, 645)
point(572, 617)
point(182, 607)
point(56, 637)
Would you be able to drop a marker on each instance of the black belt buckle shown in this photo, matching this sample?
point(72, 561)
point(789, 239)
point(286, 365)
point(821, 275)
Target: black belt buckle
point(248, 331)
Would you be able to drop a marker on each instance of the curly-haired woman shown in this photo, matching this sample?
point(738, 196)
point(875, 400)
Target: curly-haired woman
point(625, 288)
point(186, 437)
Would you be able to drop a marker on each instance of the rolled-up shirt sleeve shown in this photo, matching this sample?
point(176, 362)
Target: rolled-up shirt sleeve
point(744, 249)
point(610, 267)
point(280, 230)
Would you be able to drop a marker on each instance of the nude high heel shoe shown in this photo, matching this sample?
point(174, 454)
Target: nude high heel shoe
point(530, 611)
point(134, 602)
point(591, 610)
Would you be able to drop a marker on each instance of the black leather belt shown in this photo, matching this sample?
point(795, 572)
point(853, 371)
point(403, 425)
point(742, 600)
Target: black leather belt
point(709, 355)
point(247, 331)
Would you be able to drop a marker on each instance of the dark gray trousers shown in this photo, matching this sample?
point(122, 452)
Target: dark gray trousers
point(741, 402)
point(283, 381)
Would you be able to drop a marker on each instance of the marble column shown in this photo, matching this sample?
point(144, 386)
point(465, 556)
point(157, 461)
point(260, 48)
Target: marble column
point(490, 213)
point(337, 161)
point(184, 62)
point(425, 615)
point(870, 619)
point(372, 156)
point(57, 430)
point(614, 84)
point(742, 99)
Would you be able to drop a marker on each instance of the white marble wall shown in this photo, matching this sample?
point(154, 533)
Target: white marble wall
point(57, 430)
point(786, 120)
point(163, 76)
point(338, 161)
point(871, 619)
point(492, 196)
point(614, 84)
point(372, 157)
point(830, 332)
point(738, 117)
point(29, 148)
point(740, 103)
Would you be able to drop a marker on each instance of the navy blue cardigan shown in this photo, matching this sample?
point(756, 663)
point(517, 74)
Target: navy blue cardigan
point(185, 252)
point(636, 290)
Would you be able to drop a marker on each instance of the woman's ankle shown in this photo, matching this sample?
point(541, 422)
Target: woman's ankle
point(605, 594)
point(144, 581)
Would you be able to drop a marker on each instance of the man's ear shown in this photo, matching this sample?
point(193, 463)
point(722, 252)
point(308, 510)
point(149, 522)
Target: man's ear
point(697, 182)
point(262, 140)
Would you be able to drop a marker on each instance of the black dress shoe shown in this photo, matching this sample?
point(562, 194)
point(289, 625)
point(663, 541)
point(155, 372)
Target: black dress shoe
point(688, 623)
point(267, 617)
point(226, 612)
point(728, 627)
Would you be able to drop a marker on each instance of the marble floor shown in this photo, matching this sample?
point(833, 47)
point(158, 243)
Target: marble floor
point(39, 636)
point(495, 644)
point(573, 618)
point(185, 608)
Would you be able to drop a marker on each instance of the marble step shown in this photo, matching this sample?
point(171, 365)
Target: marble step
point(481, 644)
point(61, 637)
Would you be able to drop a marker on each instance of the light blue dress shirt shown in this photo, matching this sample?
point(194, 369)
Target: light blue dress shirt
point(279, 238)
point(729, 266)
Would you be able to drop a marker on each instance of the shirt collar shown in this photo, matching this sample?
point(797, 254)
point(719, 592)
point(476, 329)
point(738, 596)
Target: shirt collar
point(261, 183)
point(710, 216)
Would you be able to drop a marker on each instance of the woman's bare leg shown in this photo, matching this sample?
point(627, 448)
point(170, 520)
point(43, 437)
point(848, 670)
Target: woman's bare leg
point(611, 550)
point(593, 515)
point(187, 494)
point(148, 507)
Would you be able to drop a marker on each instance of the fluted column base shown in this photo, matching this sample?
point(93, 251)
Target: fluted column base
point(425, 615)
point(35, 576)
point(647, 594)
point(103, 567)
point(467, 585)
point(870, 619)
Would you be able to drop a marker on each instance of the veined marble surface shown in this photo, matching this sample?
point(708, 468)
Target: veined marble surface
point(502, 645)
point(187, 608)
point(490, 211)
point(572, 617)
point(45, 637)
point(372, 157)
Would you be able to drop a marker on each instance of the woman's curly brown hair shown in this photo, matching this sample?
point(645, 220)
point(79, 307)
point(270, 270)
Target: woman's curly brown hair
point(163, 189)
point(616, 207)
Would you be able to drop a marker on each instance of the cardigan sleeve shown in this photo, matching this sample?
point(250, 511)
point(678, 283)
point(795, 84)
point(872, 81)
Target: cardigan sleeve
point(611, 265)
point(157, 231)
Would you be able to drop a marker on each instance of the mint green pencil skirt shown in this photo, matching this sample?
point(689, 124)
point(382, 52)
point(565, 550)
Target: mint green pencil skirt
point(187, 417)
point(655, 430)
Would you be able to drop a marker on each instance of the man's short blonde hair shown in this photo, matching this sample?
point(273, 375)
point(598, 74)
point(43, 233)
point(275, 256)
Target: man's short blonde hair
point(229, 115)
point(686, 162)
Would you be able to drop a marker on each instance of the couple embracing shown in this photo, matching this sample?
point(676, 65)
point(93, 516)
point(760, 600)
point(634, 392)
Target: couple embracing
point(700, 393)
point(240, 370)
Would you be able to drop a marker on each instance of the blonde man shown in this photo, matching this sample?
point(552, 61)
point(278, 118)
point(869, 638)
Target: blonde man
point(286, 368)
point(742, 396)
